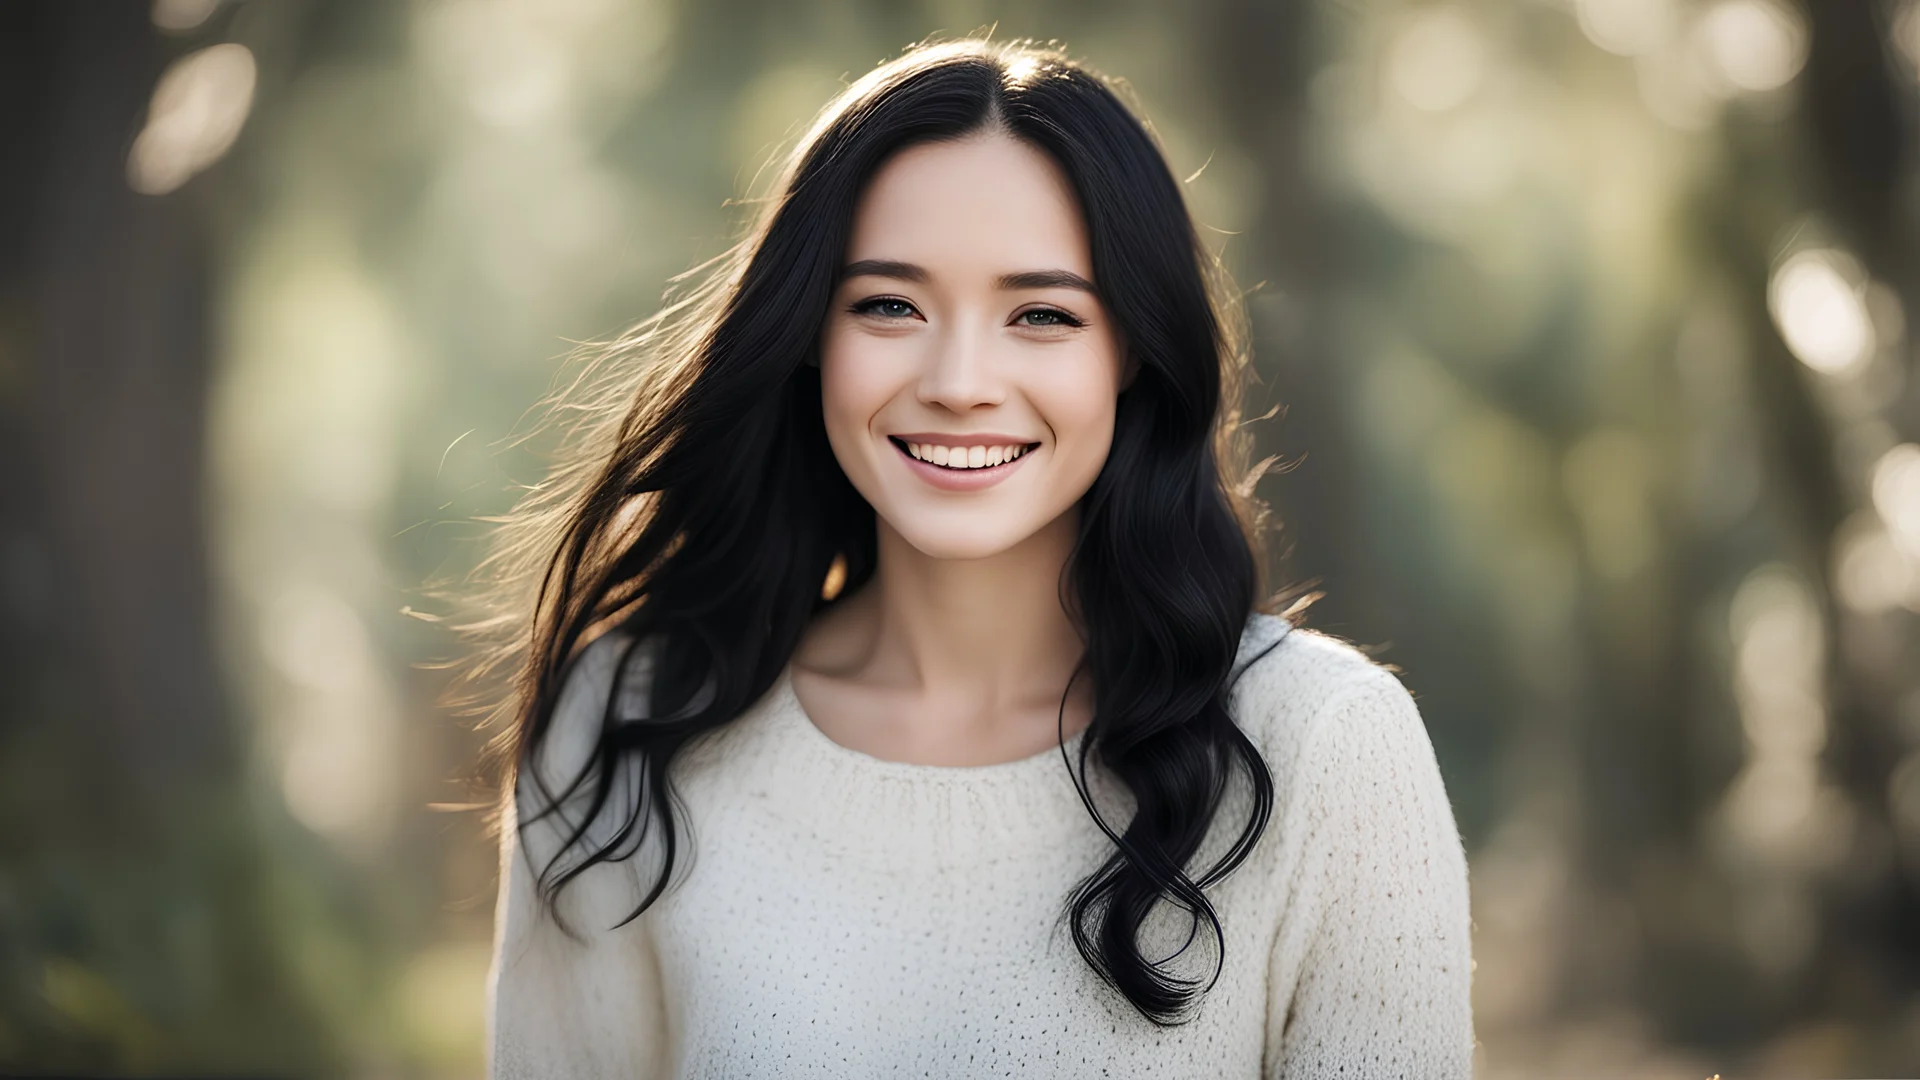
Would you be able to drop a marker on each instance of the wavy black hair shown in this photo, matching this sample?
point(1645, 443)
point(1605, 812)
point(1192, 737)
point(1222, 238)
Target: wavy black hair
point(703, 511)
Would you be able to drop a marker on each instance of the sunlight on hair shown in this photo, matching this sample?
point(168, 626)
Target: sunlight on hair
point(198, 108)
point(1021, 70)
point(1751, 45)
point(1818, 301)
point(1626, 27)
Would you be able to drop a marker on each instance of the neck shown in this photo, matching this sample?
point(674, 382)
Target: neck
point(972, 629)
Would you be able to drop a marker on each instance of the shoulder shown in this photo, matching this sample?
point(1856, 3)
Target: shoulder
point(572, 799)
point(1314, 702)
point(583, 708)
point(1359, 787)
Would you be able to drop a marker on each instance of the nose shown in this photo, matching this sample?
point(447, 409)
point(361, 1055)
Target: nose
point(960, 373)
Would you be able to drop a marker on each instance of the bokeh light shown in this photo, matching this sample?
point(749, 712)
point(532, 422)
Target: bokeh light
point(1752, 45)
point(1820, 306)
point(1896, 494)
point(1438, 60)
point(1627, 27)
point(198, 109)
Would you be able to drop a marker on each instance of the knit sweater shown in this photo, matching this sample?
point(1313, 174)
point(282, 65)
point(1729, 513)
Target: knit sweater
point(837, 915)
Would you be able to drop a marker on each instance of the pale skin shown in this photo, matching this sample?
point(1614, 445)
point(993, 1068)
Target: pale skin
point(966, 316)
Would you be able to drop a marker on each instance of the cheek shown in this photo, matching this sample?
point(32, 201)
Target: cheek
point(854, 385)
point(1077, 401)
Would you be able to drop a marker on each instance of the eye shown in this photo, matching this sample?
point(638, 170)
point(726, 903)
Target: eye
point(885, 307)
point(1046, 317)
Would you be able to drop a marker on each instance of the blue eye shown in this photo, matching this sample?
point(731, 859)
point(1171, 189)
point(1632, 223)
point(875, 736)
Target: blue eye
point(887, 307)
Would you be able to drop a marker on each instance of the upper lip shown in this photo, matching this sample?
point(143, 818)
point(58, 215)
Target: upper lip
point(979, 439)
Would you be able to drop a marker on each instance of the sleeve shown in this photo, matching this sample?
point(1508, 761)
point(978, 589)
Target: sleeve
point(1375, 939)
point(556, 1006)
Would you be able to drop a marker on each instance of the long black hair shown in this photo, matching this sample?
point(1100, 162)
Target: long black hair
point(702, 508)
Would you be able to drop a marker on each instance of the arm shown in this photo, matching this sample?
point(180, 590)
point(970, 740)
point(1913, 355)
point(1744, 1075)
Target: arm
point(589, 1008)
point(1375, 937)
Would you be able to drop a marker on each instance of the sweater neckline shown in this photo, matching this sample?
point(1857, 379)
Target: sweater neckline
point(913, 814)
point(1047, 763)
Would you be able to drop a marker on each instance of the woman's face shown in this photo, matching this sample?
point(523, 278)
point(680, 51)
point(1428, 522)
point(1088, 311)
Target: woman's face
point(968, 370)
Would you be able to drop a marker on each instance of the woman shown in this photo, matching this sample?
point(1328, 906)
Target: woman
point(897, 702)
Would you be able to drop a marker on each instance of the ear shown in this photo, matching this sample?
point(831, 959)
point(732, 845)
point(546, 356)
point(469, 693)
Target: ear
point(813, 357)
point(1130, 370)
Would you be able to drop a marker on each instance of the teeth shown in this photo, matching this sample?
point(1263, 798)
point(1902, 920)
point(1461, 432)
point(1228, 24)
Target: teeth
point(965, 457)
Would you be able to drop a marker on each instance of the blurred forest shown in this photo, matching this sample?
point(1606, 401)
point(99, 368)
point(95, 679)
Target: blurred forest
point(1587, 319)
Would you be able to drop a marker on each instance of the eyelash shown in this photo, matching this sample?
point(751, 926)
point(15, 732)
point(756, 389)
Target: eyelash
point(868, 307)
point(871, 306)
point(1064, 318)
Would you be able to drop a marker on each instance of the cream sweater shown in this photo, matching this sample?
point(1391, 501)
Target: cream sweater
point(843, 916)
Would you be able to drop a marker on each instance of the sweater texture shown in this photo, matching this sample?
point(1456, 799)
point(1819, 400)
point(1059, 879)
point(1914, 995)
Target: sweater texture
point(836, 915)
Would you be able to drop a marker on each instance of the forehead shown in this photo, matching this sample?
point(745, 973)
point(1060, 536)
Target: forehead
point(986, 204)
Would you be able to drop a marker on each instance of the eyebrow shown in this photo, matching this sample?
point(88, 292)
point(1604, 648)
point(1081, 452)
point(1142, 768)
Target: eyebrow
point(886, 268)
point(1026, 279)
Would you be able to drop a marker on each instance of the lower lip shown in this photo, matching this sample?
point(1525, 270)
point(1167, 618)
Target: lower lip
point(960, 479)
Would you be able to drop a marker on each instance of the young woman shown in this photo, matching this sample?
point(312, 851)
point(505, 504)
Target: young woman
point(897, 703)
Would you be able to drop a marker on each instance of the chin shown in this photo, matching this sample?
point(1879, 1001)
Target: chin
point(936, 542)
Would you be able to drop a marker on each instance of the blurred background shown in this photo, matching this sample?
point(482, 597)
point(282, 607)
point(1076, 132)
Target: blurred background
point(1589, 320)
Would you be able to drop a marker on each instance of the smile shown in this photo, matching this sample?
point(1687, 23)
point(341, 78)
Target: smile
point(964, 457)
point(962, 467)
